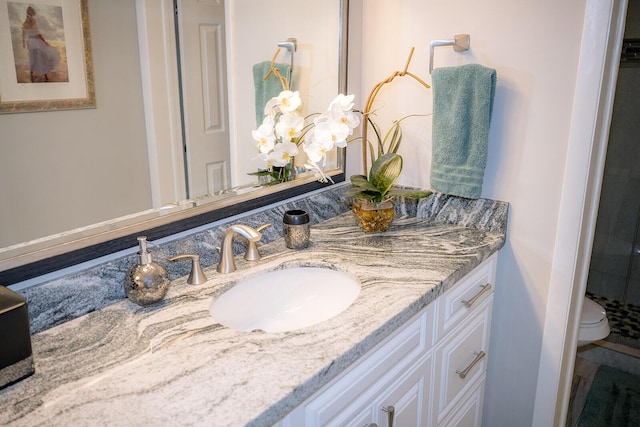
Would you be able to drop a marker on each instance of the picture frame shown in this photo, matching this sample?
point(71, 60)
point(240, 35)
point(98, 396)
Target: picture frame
point(45, 56)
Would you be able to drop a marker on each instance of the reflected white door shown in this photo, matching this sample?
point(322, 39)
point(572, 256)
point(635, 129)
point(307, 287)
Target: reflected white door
point(204, 95)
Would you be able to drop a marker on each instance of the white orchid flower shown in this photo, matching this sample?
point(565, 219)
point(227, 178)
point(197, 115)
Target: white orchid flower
point(320, 136)
point(345, 102)
point(271, 107)
point(347, 118)
point(332, 130)
point(315, 152)
point(283, 154)
point(319, 142)
point(261, 161)
point(268, 123)
point(340, 133)
point(264, 137)
point(289, 102)
point(289, 127)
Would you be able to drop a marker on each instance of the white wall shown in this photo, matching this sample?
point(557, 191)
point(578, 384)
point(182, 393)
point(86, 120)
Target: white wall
point(534, 46)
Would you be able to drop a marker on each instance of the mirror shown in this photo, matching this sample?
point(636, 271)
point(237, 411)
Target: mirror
point(63, 163)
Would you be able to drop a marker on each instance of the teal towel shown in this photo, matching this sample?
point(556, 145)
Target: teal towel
point(267, 89)
point(462, 106)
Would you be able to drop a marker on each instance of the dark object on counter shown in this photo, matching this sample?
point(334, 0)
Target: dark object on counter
point(16, 358)
point(296, 229)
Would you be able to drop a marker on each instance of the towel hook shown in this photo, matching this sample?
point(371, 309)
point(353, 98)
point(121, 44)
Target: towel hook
point(460, 43)
point(291, 45)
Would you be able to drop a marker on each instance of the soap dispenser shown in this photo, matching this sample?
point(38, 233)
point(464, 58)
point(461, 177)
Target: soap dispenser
point(146, 282)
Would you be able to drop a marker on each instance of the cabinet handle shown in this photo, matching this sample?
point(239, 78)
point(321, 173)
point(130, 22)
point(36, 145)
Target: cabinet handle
point(390, 410)
point(483, 289)
point(479, 356)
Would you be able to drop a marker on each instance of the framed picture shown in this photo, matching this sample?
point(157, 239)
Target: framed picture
point(45, 56)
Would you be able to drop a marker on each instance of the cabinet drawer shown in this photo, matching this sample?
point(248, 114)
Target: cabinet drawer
point(461, 359)
point(460, 302)
point(360, 385)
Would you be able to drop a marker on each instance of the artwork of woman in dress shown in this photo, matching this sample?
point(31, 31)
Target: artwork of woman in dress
point(38, 43)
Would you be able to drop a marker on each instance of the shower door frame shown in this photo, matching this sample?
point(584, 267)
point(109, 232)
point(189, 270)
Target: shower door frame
point(592, 107)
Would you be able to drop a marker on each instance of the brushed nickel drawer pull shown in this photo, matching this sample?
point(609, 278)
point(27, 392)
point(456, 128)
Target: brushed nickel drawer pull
point(479, 356)
point(390, 410)
point(484, 288)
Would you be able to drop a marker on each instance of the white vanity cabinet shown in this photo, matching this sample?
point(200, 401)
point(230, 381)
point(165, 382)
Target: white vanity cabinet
point(430, 372)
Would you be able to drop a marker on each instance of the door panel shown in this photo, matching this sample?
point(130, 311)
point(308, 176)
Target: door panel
point(204, 81)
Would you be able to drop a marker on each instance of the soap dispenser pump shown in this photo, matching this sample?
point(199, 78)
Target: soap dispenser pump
point(146, 282)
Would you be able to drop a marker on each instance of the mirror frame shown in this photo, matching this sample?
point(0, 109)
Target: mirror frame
point(57, 256)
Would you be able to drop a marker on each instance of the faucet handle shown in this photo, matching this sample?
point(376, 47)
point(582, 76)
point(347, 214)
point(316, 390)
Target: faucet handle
point(263, 226)
point(196, 277)
point(252, 253)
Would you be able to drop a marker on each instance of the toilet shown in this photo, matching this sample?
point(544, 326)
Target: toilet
point(594, 325)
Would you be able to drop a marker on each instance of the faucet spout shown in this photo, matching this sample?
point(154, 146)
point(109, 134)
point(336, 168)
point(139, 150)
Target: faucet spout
point(245, 231)
point(227, 264)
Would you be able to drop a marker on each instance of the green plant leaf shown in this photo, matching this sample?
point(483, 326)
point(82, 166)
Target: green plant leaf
point(361, 182)
point(356, 193)
point(372, 153)
point(275, 175)
point(396, 140)
point(260, 173)
point(393, 137)
point(379, 141)
point(409, 193)
point(385, 171)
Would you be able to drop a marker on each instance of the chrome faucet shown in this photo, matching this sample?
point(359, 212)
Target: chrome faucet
point(227, 264)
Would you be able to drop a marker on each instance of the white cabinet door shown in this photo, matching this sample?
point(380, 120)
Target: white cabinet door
point(409, 396)
point(469, 412)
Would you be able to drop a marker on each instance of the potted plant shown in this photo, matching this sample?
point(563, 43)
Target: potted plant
point(284, 129)
point(372, 195)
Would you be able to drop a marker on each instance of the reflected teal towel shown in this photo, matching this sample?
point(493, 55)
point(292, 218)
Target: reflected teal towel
point(267, 89)
point(462, 106)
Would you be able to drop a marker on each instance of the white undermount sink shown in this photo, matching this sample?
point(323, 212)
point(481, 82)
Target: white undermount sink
point(285, 300)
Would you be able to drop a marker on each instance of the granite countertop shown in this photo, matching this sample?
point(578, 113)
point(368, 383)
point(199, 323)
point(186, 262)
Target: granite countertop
point(171, 364)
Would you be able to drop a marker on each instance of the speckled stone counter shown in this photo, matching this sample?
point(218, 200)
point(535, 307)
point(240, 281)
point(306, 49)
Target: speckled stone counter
point(173, 365)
